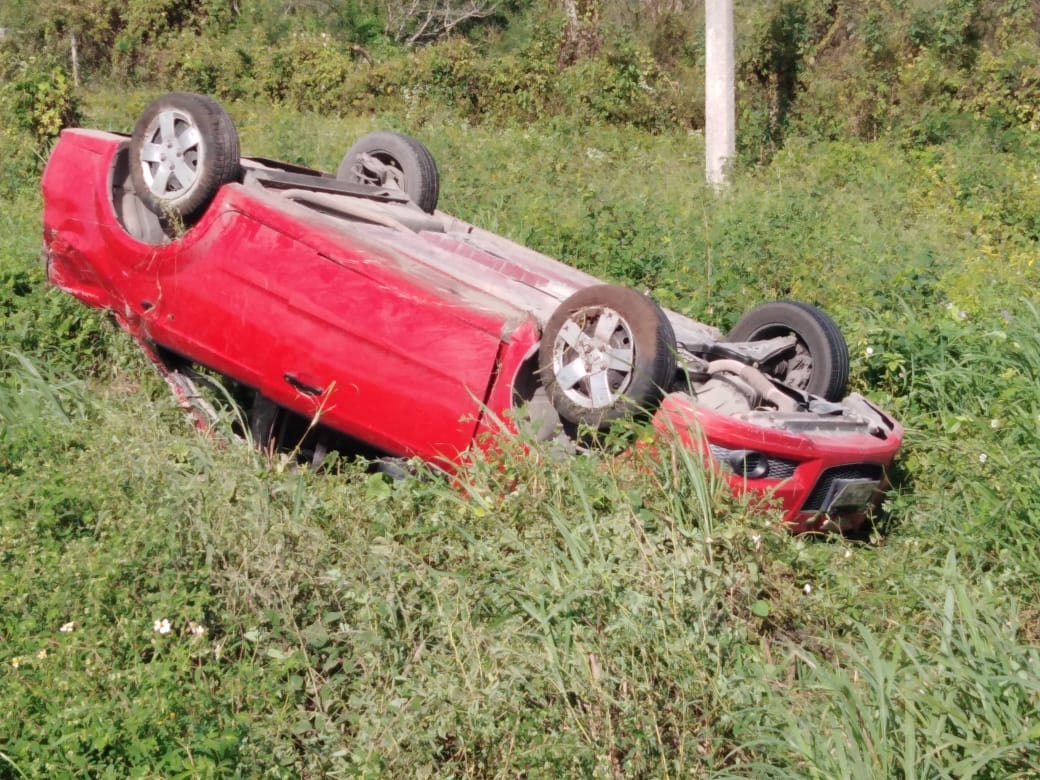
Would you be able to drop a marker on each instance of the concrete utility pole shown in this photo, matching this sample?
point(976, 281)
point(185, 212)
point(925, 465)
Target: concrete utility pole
point(720, 112)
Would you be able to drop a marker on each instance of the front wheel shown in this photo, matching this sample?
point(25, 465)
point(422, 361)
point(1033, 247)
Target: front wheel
point(607, 352)
point(819, 363)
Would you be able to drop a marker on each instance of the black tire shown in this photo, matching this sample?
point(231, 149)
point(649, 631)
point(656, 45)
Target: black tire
point(820, 364)
point(184, 148)
point(607, 352)
point(388, 158)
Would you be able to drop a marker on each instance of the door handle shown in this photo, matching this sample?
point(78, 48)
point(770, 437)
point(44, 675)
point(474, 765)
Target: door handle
point(303, 387)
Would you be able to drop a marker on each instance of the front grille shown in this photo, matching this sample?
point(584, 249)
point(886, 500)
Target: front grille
point(814, 503)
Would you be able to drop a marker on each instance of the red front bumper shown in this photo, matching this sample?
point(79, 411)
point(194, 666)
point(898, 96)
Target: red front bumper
point(820, 480)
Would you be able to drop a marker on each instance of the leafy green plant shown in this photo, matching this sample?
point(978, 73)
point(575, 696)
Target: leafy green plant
point(44, 104)
point(887, 702)
point(227, 613)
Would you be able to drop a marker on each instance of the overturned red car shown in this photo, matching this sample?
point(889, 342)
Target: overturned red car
point(350, 312)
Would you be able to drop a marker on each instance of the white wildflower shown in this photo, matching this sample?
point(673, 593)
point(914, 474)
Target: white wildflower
point(68, 628)
point(994, 423)
point(869, 351)
point(983, 457)
point(161, 626)
point(807, 589)
point(196, 629)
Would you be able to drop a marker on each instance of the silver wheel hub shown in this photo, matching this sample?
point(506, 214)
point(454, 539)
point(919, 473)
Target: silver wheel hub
point(593, 356)
point(172, 154)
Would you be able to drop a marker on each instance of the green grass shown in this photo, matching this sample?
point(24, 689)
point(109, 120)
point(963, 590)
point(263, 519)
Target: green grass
point(547, 618)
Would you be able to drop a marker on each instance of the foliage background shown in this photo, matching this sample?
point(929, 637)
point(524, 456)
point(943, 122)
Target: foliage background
point(591, 617)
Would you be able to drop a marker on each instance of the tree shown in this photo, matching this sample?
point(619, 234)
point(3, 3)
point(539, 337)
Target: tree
point(416, 21)
point(582, 37)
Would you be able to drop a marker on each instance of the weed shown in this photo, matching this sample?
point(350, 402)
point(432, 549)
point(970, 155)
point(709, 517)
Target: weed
point(180, 604)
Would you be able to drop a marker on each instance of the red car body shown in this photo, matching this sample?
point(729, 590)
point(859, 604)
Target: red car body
point(415, 336)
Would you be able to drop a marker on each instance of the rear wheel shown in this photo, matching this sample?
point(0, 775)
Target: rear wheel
point(607, 352)
point(184, 148)
point(391, 159)
point(819, 363)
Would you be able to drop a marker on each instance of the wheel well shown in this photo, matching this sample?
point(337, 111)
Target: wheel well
point(134, 217)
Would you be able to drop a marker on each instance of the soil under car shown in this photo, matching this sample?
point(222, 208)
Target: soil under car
point(415, 333)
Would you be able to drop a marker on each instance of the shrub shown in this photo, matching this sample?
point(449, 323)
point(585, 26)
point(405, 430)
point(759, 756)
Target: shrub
point(44, 104)
point(308, 71)
point(224, 68)
point(621, 85)
point(589, 615)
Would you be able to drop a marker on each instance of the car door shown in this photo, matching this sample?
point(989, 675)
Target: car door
point(344, 328)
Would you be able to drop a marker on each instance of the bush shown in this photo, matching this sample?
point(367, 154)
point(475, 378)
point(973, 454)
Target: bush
point(37, 99)
point(621, 85)
point(229, 613)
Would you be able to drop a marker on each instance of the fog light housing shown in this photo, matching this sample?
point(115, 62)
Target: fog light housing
point(749, 464)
